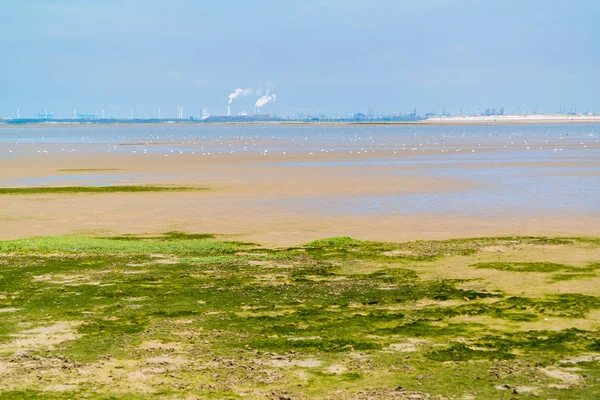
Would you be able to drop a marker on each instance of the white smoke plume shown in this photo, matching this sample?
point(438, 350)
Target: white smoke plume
point(240, 92)
point(262, 101)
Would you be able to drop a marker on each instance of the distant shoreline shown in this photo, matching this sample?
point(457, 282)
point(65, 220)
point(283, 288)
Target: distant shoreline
point(513, 119)
point(435, 121)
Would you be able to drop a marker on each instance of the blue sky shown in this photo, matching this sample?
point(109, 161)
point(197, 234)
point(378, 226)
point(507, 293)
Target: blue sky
point(332, 56)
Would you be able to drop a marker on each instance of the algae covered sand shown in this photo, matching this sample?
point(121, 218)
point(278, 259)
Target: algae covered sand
point(196, 316)
point(96, 189)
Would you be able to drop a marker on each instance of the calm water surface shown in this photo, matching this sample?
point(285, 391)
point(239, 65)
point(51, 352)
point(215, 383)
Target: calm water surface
point(517, 168)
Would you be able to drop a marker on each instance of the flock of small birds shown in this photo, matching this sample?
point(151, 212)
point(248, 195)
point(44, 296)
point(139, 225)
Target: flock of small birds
point(348, 144)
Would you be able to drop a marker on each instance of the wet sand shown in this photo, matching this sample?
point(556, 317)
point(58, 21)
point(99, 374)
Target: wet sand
point(286, 199)
point(249, 221)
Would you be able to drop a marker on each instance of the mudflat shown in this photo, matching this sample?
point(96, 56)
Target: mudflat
point(284, 192)
point(311, 263)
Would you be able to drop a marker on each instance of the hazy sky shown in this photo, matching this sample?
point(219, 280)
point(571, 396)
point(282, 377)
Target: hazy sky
point(333, 56)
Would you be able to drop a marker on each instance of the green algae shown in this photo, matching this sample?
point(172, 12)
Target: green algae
point(226, 318)
point(97, 189)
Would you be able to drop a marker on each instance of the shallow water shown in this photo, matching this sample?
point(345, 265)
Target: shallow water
point(501, 191)
point(514, 169)
point(114, 134)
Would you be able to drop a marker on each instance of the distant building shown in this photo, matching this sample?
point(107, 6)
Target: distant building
point(45, 115)
point(87, 116)
point(357, 117)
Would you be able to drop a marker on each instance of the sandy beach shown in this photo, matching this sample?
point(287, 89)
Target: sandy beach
point(515, 119)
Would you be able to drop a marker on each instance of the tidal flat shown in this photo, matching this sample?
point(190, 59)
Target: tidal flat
point(180, 315)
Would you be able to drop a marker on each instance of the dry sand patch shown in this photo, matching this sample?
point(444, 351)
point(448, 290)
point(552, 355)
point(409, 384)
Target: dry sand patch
point(578, 256)
point(306, 363)
point(393, 253)
point(555, 324)
point(562, 375)
point(337, 369)
point(166, 360)
point(532, 284)
point(66, 280)
point(409, 346)
point(43, 337)
point(581, 359)
point(9, 310)
point(157, 345)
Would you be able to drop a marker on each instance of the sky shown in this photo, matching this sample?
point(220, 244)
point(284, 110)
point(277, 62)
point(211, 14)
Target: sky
point(317, 56)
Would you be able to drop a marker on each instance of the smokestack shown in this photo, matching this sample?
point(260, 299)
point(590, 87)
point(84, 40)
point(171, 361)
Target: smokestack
point(237, 93)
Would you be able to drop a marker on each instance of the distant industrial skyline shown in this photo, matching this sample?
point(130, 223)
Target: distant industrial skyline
point(205, 114)
point(311, 57)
